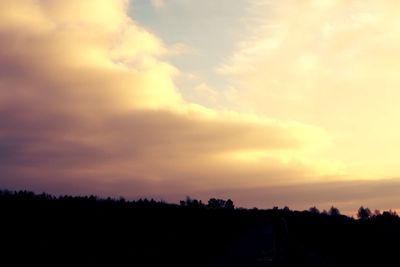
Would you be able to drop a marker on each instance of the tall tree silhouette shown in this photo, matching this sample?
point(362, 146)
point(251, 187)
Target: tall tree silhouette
point(333, 211)
point(364, 213)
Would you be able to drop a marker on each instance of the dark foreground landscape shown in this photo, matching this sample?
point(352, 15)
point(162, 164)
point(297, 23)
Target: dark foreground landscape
point(42, 230)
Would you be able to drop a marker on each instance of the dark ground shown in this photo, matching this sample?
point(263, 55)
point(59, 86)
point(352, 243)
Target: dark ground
point(40, 230)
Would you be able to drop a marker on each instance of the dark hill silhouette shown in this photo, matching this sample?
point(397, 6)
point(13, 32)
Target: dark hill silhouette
point(44, 230)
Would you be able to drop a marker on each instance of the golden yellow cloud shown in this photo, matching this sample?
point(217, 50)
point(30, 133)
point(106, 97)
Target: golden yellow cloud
point(329, 63)
point(89, 105)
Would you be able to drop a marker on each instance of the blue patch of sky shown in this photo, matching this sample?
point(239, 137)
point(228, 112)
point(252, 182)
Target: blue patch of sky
point(210, 27)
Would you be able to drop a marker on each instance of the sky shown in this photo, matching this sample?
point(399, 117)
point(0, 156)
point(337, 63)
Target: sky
point(270, 103)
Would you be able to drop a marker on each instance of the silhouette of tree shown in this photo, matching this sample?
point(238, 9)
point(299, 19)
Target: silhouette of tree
point(193, 203)
point(377, 213)
point(313, 210)
point(229, 204)
point(215, 203)
point(333, 211)
point(390, 213)
point(286, 208)
point(364, 213)
point(72, 228)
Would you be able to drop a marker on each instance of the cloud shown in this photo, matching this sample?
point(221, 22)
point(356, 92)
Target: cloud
point(89, 105)
point(158, 3)
point(329, 63)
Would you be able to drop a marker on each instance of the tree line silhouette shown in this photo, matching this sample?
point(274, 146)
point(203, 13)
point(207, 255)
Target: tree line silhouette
point(44, 230)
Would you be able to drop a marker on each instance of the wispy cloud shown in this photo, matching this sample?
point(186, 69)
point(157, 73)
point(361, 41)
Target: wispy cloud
point(330, 63)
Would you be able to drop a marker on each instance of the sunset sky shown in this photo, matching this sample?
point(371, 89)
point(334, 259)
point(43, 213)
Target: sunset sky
point(267, 102)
